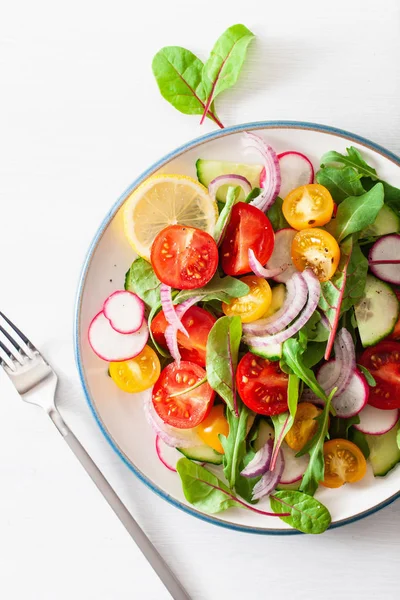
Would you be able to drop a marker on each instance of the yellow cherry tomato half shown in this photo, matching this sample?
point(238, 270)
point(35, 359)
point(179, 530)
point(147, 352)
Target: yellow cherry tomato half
point(318, 250)
point(344, 463)
point(137, 374)
point(255, 304)
point(213, 425)
point(308, 206)
point(304, 426)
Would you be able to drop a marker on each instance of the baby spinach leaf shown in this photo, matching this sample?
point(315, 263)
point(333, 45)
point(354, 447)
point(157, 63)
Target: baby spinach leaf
point(178, 73)
point(392, 194)
point(370, 380)
point(222, 69)
point(353, 159)
point(357, 212)
point(284, 422)
point(234, 444)
point(316, 466)
point(341, 182)
point(142, 280)
point(275, 215)
point(223, 289)
point(306, 513)
point(232, 196)
point(345, 288)
point(221, 358)
point(313, 354)
point(255, 192)
point(358, 438)
point(314, 329)
point(339, 428)
point(292, 353)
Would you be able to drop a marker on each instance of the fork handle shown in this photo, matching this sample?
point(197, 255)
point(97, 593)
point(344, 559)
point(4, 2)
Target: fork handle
point(137, 534)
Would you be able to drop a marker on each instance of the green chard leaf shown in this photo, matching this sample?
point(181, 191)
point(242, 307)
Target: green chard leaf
point(222, 357)
point(235, 444)
point(342, 182)
point(222, 69)
point(142, 280)
point(275, 215)
point(232, 196)
point(313, 354)
point(292, 354)
point(392, 194)
point(219, 288)
point(339, 428)
point(316, 466)
point(284, 422)
point(345, 288)
point(357, 212)
point(353, 159)
point(314, 329)
point(306, 513)
point(178, 73)
point(358, 438)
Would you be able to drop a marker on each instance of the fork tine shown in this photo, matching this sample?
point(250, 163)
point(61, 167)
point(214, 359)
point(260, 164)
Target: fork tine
point(5, 357)
point(26, 346)
point(12, 347)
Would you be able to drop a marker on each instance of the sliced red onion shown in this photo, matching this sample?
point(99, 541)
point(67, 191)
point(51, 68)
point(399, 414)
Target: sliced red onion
point(314, 290)
point(170, 435)
point(309, 396)
point(296, 298)
point(182, 308)
point(270, 479)
point(261, 271)
point(272, 181)
point(261, 461)
point(344, 366)
point(171, 331)
point(169, 309)
point(230, 179)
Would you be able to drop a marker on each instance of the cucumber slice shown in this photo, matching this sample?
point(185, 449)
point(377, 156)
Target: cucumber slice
point(386, 222)
point(273, 352)
point(207, 170)
point(289, 486)
point(384, 452)
point(202, 453)
point(278, 298)
point(265, 433)
point(377, 311)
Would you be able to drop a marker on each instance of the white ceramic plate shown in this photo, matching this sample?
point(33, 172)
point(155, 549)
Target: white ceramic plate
point(120, 416)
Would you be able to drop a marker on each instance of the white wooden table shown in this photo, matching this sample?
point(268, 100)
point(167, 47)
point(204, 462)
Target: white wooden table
point(80, 118)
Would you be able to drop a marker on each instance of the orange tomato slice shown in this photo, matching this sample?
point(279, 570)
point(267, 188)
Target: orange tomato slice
point(304, 426)
point(318, 250)
point(308, 206)
point(344, 463)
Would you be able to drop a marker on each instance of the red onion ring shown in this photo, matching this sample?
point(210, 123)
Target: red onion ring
point(261, 271)
point(295, 301)
point(314, 290)
point(270, 479)
point(230, 179)
point(169, 309)
point(261, 461)
point(171, 331)
point(272, 181)
point(345, 363)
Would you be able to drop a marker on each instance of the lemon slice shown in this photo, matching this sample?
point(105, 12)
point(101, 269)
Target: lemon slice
point(164, 200)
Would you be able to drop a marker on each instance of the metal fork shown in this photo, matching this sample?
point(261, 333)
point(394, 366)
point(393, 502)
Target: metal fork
point(36, 383)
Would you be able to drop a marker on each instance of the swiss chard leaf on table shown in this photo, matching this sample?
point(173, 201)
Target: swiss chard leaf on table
point(222, 69)
point(352, 159)
point(222, 357)
point(141, 280)
point(219, 288)
point(357, 212)
point(314, 473)
point(306, 513)
point(341, 182)
point(178, 73)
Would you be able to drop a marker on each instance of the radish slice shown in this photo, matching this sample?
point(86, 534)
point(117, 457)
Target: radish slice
point(384, 258)
point(272, 182)
point(230, 179)
point(167, 455)
point(294, 467)
point(296, 170)
point(296, 298)
point(282, 255)
point(261, 271)
point(354, 397)
point(270, 479)
point(176, 438)
point(112, 346)
point(125, 311)
point(375, 421)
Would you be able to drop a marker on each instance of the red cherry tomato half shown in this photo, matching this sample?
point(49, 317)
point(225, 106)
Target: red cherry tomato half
point(184, 257)
point(188, 409)
point(383, 362)
point(262, 385)
point(198, 323)
point(248, 228)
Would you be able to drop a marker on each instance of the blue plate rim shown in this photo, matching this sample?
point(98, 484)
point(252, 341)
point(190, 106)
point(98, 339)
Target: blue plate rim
point(274, 124)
